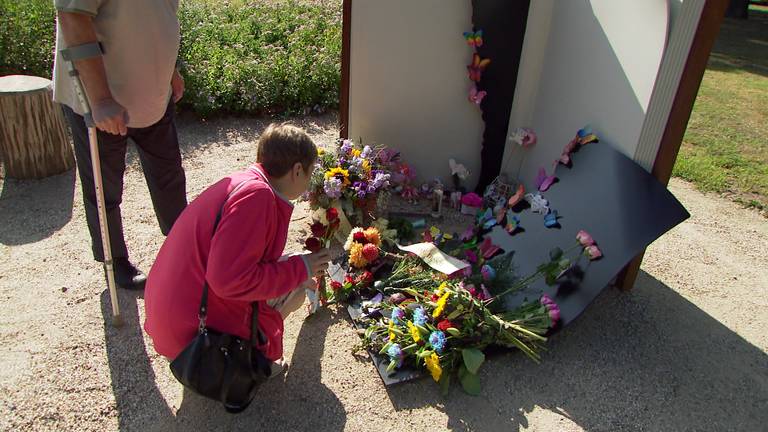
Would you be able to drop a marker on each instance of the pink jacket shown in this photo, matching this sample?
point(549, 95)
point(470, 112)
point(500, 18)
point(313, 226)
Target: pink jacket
point(239, 262)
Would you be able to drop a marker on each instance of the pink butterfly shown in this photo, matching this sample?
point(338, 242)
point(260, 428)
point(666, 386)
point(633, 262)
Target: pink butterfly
point(543, 181)
point(488, 249)
point(476, 96)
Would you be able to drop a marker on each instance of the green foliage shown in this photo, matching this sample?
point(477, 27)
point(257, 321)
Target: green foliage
point(27, 37)
point(260, 57)
point(237, 56)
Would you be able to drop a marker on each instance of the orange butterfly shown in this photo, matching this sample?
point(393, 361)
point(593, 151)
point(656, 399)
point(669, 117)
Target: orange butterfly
point(477, 67)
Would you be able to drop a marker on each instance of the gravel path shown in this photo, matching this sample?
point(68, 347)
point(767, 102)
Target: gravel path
point(685, 350)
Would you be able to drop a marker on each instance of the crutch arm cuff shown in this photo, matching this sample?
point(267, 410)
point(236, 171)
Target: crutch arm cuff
point(81, 52)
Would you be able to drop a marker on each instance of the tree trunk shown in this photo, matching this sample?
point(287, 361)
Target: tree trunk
point(33, 139)
point(738, 9)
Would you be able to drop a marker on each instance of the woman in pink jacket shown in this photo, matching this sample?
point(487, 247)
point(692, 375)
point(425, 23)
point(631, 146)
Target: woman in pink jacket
point(242, 260)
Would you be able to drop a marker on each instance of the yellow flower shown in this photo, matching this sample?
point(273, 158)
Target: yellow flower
point(373, 236)
point(340, 174)
point(367, 165)
point(433, 364)
point(356, 258)
point(356, 152)
point(441, 288)
point(391, 333)
point(320, 151)
point(414, 332)
point(440, 305)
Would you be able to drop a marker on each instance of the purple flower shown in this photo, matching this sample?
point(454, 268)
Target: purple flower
point(397, 315)
point(346, 146)
point(437, 339)
point(546, 300)
point(388, 156)
point(381, 180)
point(366, 152)
point(419, 316)
point(360, 188)
point(395, 353)
point(471, 256)
point(332, 187)
point(468, 269)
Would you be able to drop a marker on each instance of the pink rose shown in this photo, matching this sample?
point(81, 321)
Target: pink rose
point(584, 238)
point(593, 252)
point(546, 300)
point(554, 315)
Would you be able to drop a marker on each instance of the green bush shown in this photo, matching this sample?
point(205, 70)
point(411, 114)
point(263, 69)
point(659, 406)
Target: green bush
point(238, 56)
point(27, 37)
point(256, 56)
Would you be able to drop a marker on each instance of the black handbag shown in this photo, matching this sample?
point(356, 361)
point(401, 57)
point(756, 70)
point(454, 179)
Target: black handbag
point(222, 366)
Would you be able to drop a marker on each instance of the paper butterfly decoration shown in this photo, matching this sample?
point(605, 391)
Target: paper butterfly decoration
point(487, 220)
point(513, 222)
point(523, 137)
point(477, 67)
point(514, 199)
point(538, 203)
point(586, 136)
point(550, 219)
point(476, 96)
point(488, 249)
point(474, 39)
point(544, 181)
point(458, 169)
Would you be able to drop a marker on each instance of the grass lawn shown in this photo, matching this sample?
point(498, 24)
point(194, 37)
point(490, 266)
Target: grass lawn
point(725, 148)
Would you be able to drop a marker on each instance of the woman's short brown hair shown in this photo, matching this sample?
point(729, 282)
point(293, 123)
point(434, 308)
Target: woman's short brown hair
point(281, 146)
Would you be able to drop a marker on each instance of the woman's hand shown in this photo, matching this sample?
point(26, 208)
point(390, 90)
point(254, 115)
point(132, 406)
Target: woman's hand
point(318, 261)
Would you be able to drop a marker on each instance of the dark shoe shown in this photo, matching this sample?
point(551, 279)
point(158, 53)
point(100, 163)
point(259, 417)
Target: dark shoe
point(127, 276)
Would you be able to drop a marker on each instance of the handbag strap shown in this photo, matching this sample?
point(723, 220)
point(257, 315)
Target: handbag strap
point(203, 310)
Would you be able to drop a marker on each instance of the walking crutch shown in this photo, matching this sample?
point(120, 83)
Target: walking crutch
point(70, 55)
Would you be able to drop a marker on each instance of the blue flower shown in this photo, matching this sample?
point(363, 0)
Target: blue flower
point(397, 316)
point(437, 340)
point(419, 316)
point(396, 353)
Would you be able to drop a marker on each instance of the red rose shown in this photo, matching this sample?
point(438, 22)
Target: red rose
point(349, 280)
point(336, 285)
point(370, 252)
point(359, 237)
point(367, 277)
point(313, 244)
point(318, 229)
point(445, 325)
point(331, 214)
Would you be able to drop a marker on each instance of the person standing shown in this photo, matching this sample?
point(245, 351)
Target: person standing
point(131, 83)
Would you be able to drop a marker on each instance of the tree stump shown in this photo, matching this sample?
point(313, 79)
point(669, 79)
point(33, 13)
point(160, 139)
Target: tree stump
point(33, 139)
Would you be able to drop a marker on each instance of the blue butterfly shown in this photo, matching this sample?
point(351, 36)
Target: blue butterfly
point(550, 219)
point(486, 219)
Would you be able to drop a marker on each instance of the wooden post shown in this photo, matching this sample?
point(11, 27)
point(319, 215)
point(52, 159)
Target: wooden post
point(33, 139)
point(706, 33)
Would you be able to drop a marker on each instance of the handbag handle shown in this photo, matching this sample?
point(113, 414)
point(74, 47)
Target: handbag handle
point(202, 313)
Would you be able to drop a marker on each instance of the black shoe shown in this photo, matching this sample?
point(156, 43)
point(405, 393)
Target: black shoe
point(127, 276)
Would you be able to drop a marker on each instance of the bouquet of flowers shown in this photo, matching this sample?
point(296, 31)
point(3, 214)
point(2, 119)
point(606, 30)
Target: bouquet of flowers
point(353, 179)
point(444, 323)
point(446, 328)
